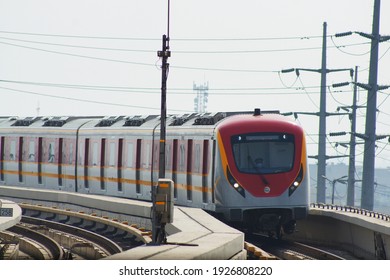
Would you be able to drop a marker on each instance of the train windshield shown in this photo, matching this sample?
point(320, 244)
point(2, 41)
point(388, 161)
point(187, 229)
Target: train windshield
point(263, 153)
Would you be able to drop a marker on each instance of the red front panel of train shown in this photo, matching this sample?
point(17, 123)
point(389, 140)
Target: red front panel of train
point(263, 154)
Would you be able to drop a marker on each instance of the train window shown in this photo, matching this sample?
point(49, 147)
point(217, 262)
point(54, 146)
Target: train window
point(147, 156)
point(81, 152)
point(197, 158)
point(31, 151)
point(155, 155)
point(263, 152)
point(51, 154)
point(112, 155)
point(95, 150)
point(12, 152)
point(168, 163)
point(182, 157)
point(130, 154)
point(71, 153)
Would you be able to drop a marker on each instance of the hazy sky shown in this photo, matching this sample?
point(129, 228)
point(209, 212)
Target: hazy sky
point(100, 58)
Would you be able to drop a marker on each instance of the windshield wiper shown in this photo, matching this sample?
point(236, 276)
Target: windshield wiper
point(258, 170)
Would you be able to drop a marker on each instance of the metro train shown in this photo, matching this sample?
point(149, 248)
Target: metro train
point(245, 167)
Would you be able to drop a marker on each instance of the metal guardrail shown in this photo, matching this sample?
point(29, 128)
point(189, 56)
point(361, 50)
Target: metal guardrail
point(352, 209)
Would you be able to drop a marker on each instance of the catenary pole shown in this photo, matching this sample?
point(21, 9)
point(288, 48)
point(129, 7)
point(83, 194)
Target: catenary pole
point(352, 148)
point(370, 132)
point(321, 169)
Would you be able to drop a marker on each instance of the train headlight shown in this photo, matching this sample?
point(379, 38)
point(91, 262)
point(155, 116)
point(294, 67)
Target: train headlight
point(296, 183)
point(235, 184)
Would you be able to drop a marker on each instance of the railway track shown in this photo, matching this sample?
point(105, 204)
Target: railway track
point(273, 249)
point(22, 242)
point(51, 233)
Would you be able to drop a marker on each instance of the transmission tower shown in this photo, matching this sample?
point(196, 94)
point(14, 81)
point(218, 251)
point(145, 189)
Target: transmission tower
point(201, 99)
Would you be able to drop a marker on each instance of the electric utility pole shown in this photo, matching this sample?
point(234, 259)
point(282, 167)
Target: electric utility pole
point(372, 87)
point(369, 144)
point(321, 157)
point(352, 143)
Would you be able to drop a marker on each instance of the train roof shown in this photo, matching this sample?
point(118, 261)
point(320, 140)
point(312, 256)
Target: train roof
point(26, 123)
point(120, 122)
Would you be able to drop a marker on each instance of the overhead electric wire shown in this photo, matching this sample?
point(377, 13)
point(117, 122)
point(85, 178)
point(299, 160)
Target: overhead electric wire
point(158, 39)
point(176, 51)
point(79, 36)
point(85, 100)
point(79, 55)
point(189, 91)
point(77, 46)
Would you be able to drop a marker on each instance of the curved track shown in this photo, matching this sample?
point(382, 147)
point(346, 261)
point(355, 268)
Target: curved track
point(51, 233)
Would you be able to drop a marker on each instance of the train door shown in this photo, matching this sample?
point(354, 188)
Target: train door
point(155, 161)
point(49, 166)
point(128, 173)
point(10, 161)
point(111, 167)
point(68, 160)
point(30, 161)
point(181, 176)
point(146, 167)
point(94, 164)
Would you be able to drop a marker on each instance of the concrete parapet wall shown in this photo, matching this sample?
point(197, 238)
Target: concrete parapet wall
point(194, 234)
point(364, 236)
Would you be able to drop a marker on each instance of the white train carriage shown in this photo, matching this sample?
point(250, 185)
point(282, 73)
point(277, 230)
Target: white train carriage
point(119, 156)
point(39, 152)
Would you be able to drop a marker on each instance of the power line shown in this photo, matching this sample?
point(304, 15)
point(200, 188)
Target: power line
point(149, 90)
point(79, 55)
point(85, 100)
point(176, 51)
point(78, 36)
point(156, 39)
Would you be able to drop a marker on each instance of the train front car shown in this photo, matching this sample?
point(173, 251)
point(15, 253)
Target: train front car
point(262, 178)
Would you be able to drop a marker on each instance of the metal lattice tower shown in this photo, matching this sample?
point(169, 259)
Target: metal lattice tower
point(201, 99)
